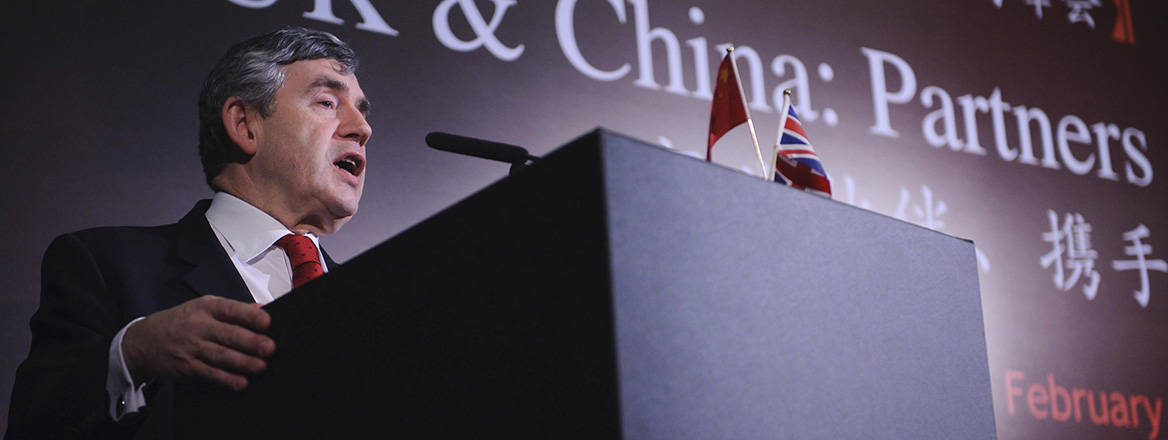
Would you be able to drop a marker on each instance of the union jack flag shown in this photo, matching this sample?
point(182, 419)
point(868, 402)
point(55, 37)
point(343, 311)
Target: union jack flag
point(794, 161)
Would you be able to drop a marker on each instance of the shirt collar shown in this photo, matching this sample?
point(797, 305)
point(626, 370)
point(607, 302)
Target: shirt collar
point(248, 230)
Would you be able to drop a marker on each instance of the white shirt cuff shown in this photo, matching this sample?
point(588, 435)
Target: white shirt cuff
point(124, 397)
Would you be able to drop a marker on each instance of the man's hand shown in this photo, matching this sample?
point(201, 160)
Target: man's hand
point(209, 337)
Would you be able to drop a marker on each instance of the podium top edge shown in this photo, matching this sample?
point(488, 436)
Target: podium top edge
point(604, 136)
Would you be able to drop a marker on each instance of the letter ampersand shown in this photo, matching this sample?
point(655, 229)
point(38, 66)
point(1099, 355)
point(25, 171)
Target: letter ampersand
point(484, 31)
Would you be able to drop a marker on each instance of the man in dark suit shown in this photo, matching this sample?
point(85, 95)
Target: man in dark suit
point(127, 312)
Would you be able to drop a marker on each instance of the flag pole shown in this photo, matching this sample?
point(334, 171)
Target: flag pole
point(749, 121)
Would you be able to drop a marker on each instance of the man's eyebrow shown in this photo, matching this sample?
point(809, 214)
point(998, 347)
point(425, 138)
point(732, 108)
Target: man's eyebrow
point(363, 104)
point(328, 83)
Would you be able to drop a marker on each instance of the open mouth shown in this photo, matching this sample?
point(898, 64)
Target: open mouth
point(351, 163)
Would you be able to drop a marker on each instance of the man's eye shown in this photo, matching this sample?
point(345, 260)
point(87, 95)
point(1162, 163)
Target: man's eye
point(328, 104)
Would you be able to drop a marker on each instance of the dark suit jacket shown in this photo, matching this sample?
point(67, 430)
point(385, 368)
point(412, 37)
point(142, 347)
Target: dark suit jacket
point(93, 282)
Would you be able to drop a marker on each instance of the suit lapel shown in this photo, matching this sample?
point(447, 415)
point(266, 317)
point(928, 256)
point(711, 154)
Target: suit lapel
point(212, 272)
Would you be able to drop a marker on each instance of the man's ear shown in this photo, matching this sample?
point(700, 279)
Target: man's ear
point(237, 120)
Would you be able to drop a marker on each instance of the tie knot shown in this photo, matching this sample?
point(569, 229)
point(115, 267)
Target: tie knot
point(303, 256)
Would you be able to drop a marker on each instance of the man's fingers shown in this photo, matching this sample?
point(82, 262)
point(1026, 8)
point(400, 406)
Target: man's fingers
point(241, 339)
point(208, 337)
point(229, 380)
point(219, 356)
point(241, 313)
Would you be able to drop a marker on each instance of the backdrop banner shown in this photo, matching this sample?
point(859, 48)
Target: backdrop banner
point(1035, 128)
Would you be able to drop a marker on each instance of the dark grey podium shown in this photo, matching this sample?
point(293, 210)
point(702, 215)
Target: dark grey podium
point(619, 290)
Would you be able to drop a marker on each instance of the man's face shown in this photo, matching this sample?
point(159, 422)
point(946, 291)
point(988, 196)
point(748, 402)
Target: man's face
point(310, 151)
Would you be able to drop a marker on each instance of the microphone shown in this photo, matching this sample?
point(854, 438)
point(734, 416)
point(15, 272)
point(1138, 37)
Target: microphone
point(517, 156)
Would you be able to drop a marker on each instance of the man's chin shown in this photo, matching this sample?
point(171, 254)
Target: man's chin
point(341, 212)
point(338, 208)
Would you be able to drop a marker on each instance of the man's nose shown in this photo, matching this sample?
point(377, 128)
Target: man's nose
point(354, 126)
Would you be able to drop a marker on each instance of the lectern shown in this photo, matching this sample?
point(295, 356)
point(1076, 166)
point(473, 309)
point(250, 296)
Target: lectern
point(617, 290)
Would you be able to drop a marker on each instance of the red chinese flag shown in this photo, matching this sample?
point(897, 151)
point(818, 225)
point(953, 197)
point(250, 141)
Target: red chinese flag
point(728, 109)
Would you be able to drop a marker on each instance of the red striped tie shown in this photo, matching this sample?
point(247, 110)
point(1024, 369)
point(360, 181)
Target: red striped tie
point(304, 257)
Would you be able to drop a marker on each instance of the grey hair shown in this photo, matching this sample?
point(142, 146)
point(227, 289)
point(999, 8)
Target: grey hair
point(252, 71)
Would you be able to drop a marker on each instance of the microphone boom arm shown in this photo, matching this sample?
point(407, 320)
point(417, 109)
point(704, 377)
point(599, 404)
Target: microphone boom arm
point(517, 156)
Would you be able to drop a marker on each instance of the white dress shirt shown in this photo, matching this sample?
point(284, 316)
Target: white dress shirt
point(249, 236)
